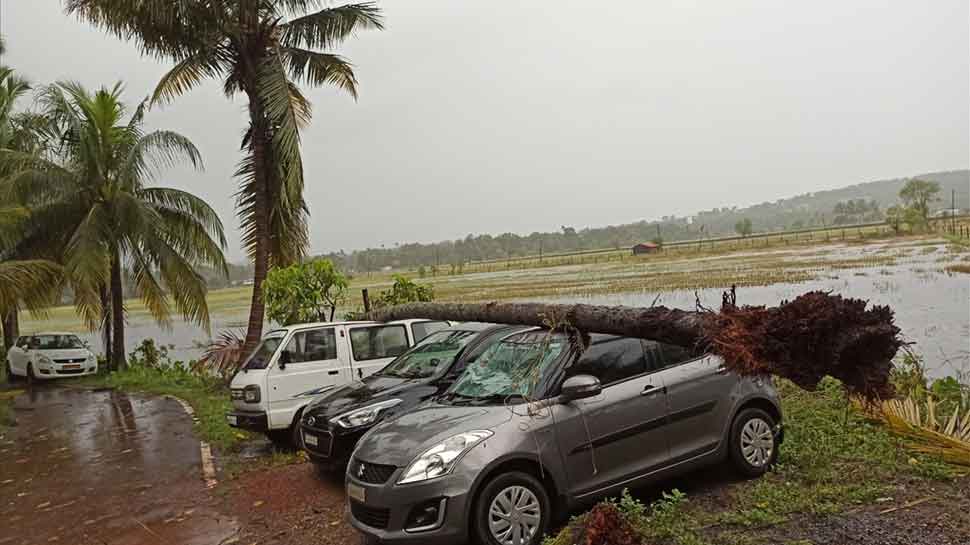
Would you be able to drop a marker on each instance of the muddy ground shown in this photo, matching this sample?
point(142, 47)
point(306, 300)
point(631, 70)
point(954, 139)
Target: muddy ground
point(107, 468)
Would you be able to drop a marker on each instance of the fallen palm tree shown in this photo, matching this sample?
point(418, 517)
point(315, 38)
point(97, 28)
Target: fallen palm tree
point(803, 340)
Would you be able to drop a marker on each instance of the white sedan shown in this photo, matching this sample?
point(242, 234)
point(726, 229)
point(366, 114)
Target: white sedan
point(50, 355)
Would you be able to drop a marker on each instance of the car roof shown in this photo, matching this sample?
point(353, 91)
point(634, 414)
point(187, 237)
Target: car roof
point(39, 333)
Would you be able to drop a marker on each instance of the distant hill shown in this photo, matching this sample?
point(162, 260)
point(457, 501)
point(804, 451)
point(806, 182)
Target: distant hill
point(802, 211)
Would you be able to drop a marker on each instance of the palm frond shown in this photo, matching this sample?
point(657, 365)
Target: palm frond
point(223, 355)
point(157, 151)
point(320, 68)
point(189, 205)
point(188, 73)
point(30, 284)
point(331, 26)
point(923, 429)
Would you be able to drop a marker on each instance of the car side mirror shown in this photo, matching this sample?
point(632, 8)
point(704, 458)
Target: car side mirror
point(580, 387)
point(284, 359)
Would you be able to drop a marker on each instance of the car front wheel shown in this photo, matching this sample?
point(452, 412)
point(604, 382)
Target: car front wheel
point(754, 443)
point(512, 509)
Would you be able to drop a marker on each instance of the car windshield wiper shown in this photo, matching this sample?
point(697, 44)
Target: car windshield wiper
point(498, 398)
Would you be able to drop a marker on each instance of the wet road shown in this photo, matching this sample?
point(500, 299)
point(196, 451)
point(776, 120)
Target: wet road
point(106, 468)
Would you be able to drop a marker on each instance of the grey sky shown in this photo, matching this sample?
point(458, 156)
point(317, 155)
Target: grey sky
point(496, 116)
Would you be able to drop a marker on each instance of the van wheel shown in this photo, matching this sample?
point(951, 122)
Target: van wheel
point(512, 509)
point(754, 445)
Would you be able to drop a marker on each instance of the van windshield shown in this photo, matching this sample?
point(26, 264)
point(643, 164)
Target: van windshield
point(264, 353)
point(509, 369)
point(433, 354)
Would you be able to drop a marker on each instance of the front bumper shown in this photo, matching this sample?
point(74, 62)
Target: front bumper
point(60, 371)
point(327, 446)
point(384, 513)
point(248, 420)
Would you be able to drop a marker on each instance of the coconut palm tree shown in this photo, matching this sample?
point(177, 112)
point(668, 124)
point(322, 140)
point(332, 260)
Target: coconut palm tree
point(91, 207)
point(263, 49)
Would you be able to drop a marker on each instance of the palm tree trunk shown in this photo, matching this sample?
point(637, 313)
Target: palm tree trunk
point(106, 324)
point(117, 315)
point(11, 329)
point(254, 331)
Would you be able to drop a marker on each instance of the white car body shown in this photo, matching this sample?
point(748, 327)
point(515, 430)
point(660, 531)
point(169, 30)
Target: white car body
point(268, 397)
point(51, 355)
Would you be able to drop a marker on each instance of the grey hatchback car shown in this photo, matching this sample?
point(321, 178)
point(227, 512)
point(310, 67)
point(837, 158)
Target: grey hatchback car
point(538, 426)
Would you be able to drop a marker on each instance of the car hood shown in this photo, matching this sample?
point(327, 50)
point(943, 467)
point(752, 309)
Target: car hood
point(399, 441)
point(359, 394)
point(66, 353)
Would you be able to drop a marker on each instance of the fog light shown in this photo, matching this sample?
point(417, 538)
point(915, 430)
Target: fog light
point(426, 516)
point(45, 371)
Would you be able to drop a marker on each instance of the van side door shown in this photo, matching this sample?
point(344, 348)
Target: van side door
point(699, 402)
point(374, 346)
point(611, 439)
point(312, 365)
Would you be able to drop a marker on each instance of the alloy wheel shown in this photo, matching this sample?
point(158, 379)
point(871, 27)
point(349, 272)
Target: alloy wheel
point(514, 516)
point(757, 442)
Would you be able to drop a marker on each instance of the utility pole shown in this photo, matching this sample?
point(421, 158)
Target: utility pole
point(540, 249)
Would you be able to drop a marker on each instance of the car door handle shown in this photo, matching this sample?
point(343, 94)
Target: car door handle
point(337, 372)
point(650, 389)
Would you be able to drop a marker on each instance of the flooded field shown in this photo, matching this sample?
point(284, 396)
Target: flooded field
point(932, 305)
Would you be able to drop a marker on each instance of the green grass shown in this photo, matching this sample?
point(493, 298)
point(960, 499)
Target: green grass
point(832, 459)
point(209, 398)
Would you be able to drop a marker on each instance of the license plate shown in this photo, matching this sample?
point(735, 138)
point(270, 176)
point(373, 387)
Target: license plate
point(356, 492)
point(72, 366)
point(310, 439)
point(231, 419)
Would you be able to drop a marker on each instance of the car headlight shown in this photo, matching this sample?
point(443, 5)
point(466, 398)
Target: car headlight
point(441, 459)
point(44, 360)
point(251, 394)
point(365, 415)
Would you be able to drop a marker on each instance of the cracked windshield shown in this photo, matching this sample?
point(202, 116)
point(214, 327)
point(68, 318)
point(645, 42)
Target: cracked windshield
point(435, 353)
point(511, 368)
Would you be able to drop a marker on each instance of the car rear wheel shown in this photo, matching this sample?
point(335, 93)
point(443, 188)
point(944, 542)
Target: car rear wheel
point(512, 509)
point(754, 443)
point(10, 376)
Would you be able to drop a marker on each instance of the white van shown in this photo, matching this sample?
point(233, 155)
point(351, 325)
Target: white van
point(294, 364)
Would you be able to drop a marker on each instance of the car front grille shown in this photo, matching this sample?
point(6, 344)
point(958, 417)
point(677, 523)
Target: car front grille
point(371, 516)
point(371, 473)
point(75, 360)
point(70, 371)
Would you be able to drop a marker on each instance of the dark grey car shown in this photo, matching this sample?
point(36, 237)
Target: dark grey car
point(533, 428)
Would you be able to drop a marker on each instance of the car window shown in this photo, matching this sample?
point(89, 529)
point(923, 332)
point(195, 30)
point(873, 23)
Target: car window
point(56, 342)
point(312, 345)
point(22, 342)
point(610, 359)
point(433, 354)
point(673, 354)
point(655, 360)
point(423, 329)
point(371, 343)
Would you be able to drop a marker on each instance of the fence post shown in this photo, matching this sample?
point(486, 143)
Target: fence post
point(366, 297)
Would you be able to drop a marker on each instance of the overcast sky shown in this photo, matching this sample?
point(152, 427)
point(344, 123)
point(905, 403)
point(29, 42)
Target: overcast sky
point(523, 116)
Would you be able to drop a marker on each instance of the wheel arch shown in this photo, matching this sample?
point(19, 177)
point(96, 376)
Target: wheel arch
point(526, 464)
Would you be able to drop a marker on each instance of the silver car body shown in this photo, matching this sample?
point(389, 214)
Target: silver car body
point(636, 431)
